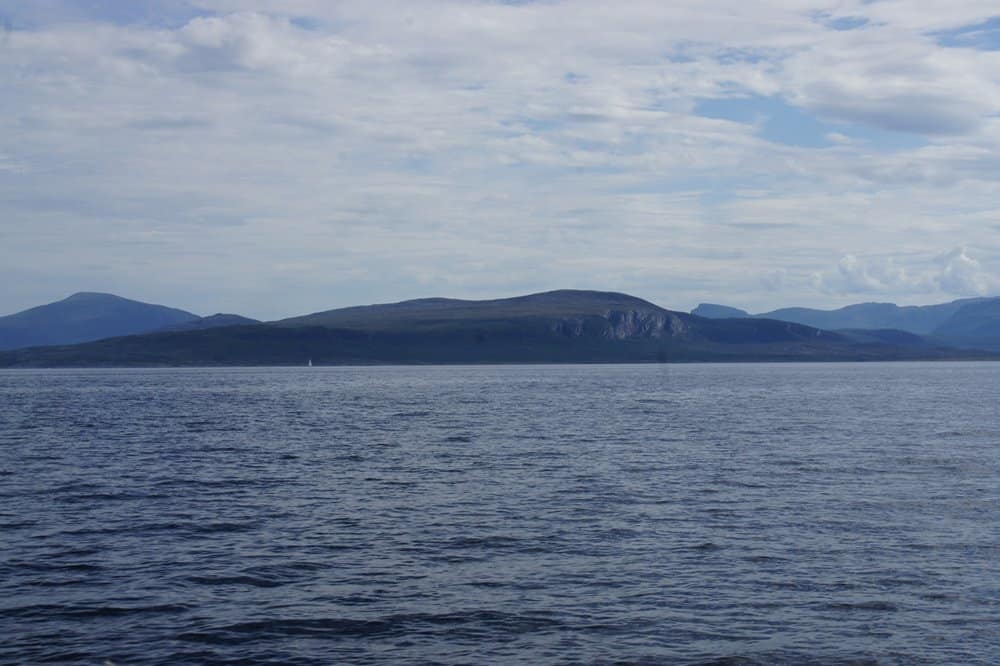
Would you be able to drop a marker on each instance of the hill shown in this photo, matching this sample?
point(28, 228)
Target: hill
point(715, 311)
point(551, 327)
point(919, 319)
point(976, 325)
point(969, 323)
point(217, 320)
point(83, 317)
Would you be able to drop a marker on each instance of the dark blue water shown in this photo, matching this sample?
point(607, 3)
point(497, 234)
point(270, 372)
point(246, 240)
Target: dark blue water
point(732, 514)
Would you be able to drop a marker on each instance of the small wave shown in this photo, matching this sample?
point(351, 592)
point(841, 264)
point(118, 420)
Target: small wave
point(45, 567)
point(451, 558)
point(71, 487)
point(874, 605)
point(208, 426)
point(237, 633)
point(213, 528)
point(786, 657)
point(410, 415)
point(113, 497)
point(284, 573)
point(790, 462)
point(486, 542)
point(18, 524)
point(49, 611)
point(213, 483)
point(476, 623)
point(252, 581)
point(765, 559)
point(167, 527)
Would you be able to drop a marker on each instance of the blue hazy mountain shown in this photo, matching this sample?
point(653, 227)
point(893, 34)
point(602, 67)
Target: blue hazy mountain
point(217, 320)
point(715, 311)
point(565, 326)
point(83, 317)
point(919, 319)
point(975, 325)
point(971, 323)
point(887, 336)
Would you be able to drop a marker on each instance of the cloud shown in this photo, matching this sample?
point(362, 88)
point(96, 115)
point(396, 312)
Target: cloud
point(952, 273)
point(774, 280)
point(379, 150)
point(896, 82)
point(960, 274)
point(858, 276)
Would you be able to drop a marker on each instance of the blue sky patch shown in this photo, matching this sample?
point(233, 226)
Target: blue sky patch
point(984, 36)
point(777, 121)
point(735, 56)
point(306, 23)
point(839, 22)
point(847, 23)
point(882, 139)
point(780, 122)
point(17, 14)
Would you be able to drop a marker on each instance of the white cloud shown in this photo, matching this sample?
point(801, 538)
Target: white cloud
point(895, 80)
point(952, 273)
point(961, 274)
point(346, 152)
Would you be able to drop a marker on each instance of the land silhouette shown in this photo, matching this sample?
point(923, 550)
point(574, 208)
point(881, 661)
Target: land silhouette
point(965, 323)
point(564, 326)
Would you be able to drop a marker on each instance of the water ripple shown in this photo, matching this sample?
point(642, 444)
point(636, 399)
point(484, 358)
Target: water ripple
point(696, 515)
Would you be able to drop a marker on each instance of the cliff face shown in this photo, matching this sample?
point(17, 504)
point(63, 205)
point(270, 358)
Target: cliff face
point(622, 325)
point(644, 324)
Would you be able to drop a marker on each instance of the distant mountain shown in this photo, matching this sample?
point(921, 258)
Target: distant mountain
point(83, 317)
point(976, 325)
point(919, 319)
point(972, 323)
point(886, 336)
point(714, 311)
point(212, 321)
point(436, 313)
point(551, 327)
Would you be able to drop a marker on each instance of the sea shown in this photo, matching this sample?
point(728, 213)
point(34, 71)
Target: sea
point(592, 514)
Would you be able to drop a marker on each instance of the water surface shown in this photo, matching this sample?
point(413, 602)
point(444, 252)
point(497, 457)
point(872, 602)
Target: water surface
point(743, 514)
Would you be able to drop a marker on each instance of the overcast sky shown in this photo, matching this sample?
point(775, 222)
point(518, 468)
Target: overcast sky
point(278, 157)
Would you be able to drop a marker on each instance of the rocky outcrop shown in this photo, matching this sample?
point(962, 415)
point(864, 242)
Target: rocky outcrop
point(623, 325)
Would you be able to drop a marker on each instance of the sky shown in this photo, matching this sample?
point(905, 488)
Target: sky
point(279, 157)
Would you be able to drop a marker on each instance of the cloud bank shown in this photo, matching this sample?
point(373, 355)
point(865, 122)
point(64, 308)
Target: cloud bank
point(953, 272)
point(283, 157)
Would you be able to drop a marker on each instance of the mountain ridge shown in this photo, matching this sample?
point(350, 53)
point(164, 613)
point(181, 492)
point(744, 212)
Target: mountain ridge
point(569, 301)
point(562, 326)
point(85, 316)
point(217, 320)
point(966, 322)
